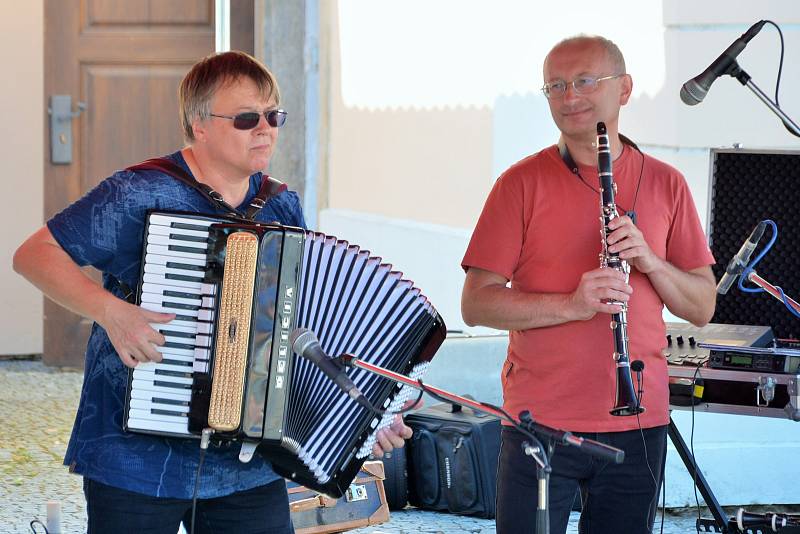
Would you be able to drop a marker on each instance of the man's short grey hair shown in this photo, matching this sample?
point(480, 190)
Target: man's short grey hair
point(612, 50)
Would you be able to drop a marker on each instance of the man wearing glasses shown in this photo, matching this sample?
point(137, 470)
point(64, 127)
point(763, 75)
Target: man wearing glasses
point(143, 483)
point(539, 230)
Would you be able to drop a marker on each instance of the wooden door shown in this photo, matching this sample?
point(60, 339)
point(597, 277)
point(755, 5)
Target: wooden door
point(124, 59)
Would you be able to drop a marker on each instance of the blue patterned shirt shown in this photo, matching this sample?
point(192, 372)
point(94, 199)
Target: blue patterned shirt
point(104, 229)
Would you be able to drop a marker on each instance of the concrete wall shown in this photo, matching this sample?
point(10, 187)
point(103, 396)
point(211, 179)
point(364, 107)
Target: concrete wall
point(21, 151)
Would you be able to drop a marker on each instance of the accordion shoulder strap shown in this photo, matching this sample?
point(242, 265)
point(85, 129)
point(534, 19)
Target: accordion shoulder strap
point(269, 186)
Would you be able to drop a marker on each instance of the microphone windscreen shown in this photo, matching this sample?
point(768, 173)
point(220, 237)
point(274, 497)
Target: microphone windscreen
point(691, 93)
point(300, 339)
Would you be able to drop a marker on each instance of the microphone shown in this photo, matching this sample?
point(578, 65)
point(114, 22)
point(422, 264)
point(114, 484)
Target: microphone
point(589, 446)
point(694, 91)
point(306, 344)
point(739, 261)
point(637, 366)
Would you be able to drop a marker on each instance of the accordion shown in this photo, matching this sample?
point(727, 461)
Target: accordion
point(238, 290)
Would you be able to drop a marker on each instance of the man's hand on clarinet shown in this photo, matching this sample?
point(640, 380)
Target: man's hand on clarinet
point(628, 241)
point(596, 288)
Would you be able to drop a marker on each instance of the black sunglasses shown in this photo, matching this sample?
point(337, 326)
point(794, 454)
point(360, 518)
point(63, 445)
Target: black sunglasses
point(249, 120)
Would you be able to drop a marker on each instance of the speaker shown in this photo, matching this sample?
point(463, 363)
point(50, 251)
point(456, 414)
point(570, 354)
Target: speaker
point(748, 186)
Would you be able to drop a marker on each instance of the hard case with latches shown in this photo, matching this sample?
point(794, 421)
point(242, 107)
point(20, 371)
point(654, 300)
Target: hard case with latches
point(363, 504)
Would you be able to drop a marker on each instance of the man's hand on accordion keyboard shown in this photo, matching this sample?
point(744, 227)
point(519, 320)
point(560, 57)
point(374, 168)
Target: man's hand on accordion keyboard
point(395, 435)
point(392, 437)
point(128, 328)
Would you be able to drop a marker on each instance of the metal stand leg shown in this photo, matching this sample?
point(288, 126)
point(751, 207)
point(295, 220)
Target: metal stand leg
point(702, 485)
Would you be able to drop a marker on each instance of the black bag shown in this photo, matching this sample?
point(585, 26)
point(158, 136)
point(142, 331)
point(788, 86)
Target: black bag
point(396, 482)
point(452, 460)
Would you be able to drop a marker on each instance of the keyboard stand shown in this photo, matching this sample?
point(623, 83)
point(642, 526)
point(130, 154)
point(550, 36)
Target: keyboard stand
point(720, 518)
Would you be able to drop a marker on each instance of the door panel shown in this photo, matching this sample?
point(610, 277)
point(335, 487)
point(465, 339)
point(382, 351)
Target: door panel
point(125, 60)
point(132, 12)
point(123, 129)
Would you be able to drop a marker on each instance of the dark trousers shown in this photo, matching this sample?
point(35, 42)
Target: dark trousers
point(616, 498)
point(264, 509)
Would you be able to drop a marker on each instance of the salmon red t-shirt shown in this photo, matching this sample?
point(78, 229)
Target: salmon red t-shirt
point(540, 229)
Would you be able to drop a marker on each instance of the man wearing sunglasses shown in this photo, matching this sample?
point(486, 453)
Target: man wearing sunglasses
point(229, 110)
point(539, 230)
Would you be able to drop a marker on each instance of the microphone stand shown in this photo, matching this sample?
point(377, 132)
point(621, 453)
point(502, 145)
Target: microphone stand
point(526, 424)
point(737, 72)
point(543, 471)
point(792, 411)
point(753, 277)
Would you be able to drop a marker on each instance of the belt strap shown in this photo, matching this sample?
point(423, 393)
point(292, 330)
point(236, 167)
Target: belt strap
point(270, 187)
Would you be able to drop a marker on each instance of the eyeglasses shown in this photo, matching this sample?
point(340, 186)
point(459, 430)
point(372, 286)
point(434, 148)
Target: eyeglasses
point(249, 120)
point(582, 85)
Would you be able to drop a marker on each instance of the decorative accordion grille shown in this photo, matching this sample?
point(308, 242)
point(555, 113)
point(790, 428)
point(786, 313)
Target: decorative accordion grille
point(357, 305)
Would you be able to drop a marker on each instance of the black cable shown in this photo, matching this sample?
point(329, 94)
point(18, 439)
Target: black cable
point(691, 448)
point(638, 181)
point(505, 416)
point(639, 397)
point(366, 403)
point(780, 72)
point(780, 63)
point(204, 439)
point(36, 521)
point(663, 491)
point(424, 389)
point(638, 184)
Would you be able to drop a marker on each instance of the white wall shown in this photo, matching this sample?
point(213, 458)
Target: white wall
point(413, 172)
point(21, 151)
point(489, 63)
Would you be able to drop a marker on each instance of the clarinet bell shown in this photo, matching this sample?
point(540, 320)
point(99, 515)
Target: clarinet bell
point(773, 522)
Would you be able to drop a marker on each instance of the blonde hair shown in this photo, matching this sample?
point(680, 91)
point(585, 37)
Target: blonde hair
point(213, 72)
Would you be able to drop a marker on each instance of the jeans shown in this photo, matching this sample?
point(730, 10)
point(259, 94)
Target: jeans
point(264, 509)
point(616, 498)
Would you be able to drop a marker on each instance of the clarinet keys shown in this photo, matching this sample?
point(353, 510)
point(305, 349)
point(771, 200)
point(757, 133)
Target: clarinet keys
point(626, 401)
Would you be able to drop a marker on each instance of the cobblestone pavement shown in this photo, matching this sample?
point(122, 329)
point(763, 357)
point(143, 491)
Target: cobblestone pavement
point(37, 407)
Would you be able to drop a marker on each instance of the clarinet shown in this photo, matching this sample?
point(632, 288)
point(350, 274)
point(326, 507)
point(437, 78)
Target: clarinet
point(626, 401)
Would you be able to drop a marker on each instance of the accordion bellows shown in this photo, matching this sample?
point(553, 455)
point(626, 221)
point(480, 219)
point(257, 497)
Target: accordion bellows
point(239, 289)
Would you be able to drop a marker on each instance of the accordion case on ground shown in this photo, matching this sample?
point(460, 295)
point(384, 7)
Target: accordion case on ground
point(239, 289)
point(363, 504)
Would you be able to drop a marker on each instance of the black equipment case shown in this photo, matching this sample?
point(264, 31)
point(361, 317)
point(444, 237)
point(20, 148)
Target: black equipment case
point(452, 460)
point(395, 485)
